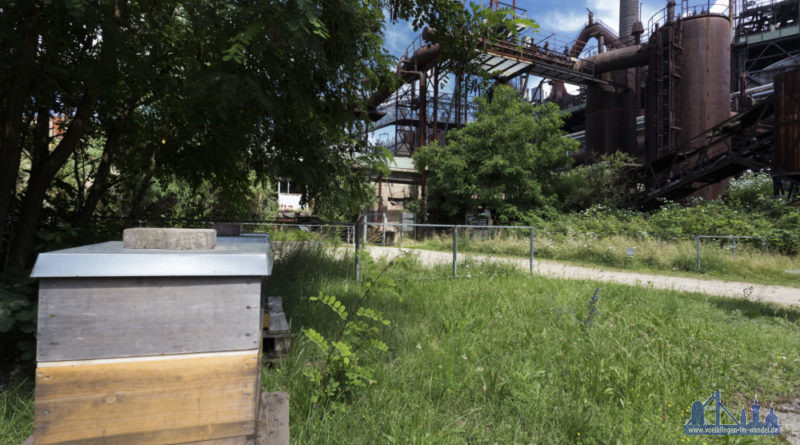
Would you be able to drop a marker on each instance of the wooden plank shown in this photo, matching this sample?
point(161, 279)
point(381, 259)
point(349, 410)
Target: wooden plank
point(241, 440)
point(274, 419)
point(28, 441)
point(93, 318)
point(171, 399)
point(275, 304)
point(278, 323)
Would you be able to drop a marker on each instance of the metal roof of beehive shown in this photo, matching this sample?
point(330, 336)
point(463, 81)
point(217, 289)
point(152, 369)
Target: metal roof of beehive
point(233, 256)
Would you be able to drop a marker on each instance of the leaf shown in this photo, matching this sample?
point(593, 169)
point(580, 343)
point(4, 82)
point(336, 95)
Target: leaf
point(317, 339)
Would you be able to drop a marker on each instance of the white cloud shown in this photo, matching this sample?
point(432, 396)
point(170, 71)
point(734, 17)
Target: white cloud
point(573, 20)
point(564, 21)
point(606, 11)
point(397, 37)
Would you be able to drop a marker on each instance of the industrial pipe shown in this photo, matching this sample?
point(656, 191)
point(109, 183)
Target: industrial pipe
point(422, 60)
point(595, 30)
point(618, 59)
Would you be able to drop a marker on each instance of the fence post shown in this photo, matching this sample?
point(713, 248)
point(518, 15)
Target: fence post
point(762, 246)
point(383, 235)
point(365, 228)
point(455, 250)
point(697, 240)
point(531, 265)
point(358, 259)
point(733, 247)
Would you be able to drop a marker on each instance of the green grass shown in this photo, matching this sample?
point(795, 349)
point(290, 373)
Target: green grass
point(16, 410)
point(506, 357)
point(651, 255)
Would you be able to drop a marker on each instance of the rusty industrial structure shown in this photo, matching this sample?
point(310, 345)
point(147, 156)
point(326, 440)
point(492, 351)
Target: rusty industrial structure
point(697, 94)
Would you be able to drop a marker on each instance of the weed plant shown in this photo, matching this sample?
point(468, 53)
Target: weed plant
point(505, 357)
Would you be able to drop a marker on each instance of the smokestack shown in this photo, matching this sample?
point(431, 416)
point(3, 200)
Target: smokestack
point(628, 15)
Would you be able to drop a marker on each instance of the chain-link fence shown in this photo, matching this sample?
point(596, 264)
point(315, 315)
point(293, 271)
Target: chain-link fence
point(463, 241)
point(720, 254)
point(463, 245)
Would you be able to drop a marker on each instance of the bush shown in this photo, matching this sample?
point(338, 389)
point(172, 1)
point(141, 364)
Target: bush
point(751, 190)
point(607, 183)
point(18, 311)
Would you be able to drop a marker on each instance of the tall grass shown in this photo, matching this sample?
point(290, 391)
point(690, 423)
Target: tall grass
point(677, 256)
point(16, 410)
point(510, 358)
point(506, 357)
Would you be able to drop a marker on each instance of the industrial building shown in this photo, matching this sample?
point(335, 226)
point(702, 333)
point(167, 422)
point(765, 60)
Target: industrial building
point(697, 94)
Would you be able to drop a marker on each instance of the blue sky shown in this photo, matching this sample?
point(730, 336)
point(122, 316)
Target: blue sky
point(563, 17)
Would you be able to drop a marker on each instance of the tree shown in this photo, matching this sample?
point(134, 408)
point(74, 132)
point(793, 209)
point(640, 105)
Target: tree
point(209, 93)
point(503, 162)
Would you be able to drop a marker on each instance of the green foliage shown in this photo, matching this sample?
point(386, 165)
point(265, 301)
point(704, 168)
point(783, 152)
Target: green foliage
point(490, 359)
point(752, 190)
point(503, 161)
point(343, 368)
point(607, 182)
point(18, 312)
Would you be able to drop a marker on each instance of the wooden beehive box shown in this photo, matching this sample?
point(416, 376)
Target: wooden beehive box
point(149, 345)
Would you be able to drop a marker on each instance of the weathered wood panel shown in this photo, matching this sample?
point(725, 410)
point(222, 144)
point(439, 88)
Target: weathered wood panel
point(274, 419)
point(241, 440)
point(172, 399)
point(93, 318)
point(278, 323)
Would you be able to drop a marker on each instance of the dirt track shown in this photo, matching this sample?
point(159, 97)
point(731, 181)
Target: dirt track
point(786, 296)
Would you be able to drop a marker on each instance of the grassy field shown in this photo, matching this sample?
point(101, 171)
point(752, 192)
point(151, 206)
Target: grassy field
point(505, 357)
point(650, 255)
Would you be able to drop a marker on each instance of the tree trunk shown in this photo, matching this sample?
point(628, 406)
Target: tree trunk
point(10, 147)
point(100, 184)
point(139, 197)
point(44, 169)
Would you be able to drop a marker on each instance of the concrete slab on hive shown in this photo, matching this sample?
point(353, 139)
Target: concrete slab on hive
point(169, 239)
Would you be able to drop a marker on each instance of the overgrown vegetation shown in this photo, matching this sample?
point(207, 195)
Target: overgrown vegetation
point(503, 162)
point(508, 358)
point(342, 370)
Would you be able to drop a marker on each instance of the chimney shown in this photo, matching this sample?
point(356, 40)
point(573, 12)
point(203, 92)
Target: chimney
point(628, 15)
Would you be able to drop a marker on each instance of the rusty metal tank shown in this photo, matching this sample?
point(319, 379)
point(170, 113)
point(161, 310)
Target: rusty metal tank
point(703, 76)
point(787, 112)
point(610, 121)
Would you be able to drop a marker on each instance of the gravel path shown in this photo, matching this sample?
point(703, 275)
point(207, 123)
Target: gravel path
point(786, 296)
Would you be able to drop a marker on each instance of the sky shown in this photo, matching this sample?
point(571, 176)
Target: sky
point(565, 18)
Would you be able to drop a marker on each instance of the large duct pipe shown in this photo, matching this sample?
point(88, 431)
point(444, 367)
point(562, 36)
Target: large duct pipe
point(618, 59)
point(595, 30)
point(628, 15)
point(422, 60)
